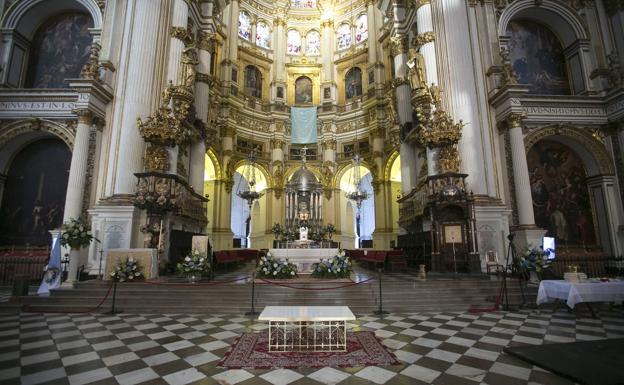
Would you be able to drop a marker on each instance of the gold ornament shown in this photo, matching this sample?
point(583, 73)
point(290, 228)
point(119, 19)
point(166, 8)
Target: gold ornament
point(156, 158)
point(398, 45)
point(91, 69)
point(448, 159)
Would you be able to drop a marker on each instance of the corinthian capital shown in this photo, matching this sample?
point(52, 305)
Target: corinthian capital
point(206, 41)
point(515, 119)
point(398, 45)
point(424, 38)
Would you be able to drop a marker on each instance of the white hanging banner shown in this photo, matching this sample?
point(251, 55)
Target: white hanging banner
point(52, 276)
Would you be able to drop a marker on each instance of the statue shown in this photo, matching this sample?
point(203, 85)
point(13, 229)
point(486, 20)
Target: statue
point(189, 61)
point(416, 72)
point(392, 113)
point(303, 233)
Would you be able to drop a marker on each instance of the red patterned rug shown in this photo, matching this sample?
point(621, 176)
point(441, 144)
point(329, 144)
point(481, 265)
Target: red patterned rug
point(251, 351)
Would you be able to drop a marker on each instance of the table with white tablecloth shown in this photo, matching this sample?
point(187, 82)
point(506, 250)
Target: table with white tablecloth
point(574, 293)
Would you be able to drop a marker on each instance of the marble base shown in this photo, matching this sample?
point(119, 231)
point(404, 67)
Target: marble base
point(303, 258)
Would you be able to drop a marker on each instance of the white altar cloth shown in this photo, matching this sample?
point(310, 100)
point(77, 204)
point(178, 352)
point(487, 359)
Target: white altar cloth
point(306, 313)
point(574, 293)
point(303, 258)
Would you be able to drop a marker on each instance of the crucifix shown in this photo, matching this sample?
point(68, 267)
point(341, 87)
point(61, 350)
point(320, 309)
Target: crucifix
point(304, 154)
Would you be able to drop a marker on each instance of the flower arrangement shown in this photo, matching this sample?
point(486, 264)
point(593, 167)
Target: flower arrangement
point(127, 270)
point(535, 259)
point(338, 266)
point(195, 264)
point(270, 267)
point(76, 234)
point(329, 230)
point(277, 230)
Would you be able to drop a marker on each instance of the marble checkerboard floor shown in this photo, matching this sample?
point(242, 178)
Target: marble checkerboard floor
point(438, 348)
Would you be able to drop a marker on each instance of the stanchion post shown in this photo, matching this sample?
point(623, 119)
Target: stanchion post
point(380, 311)
point(253, 294)
point(113, 310)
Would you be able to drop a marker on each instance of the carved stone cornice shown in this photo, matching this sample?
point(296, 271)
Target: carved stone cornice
point(398, 45)
point(424, 38)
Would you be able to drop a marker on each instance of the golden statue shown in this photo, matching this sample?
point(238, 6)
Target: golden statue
point(189, 61)
point(416, 72)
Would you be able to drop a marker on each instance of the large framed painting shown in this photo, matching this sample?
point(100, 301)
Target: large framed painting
point(303, 90)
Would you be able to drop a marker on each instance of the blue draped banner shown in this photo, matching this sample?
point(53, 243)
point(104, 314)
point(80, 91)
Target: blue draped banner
point(303, 125)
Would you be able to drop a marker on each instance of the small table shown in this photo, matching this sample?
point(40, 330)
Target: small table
point(307, 328)
point(585, 292)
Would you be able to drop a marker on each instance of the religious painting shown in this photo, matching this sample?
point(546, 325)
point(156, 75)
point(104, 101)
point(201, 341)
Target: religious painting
point(280, 92)
point(293, 42)
point(313, 43)
point(537, 58)
point(303, 90)
point(234, 75)
point(361, 29)
point(263, 35)
point(34, 195)
point(343, 37)
point(253, 82)
point(353, 83)
point(60, 49)
point(326, 93)
point(244, 25)
point(561, 200)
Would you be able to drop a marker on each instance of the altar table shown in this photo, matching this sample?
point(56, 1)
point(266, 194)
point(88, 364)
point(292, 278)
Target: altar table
point(307, 328)
point(573, 293)
point(303, 258)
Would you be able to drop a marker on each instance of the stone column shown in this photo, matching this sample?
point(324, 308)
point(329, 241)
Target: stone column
point(222, 229)
point(327, 48)
point(374, 53)
point(280, 47)
point(232, 40)
point(78, 168)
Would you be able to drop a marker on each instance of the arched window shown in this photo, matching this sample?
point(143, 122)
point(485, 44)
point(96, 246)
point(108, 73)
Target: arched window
point(353, 83)
point(60, 50)
point(263, 35)
point(303, 3)
point(293, 42)
point(244, 25)
point(253, 82)
point(313, 43)
point(537, 58)
point(343, 36)
point(303, 90)
point(361, 29)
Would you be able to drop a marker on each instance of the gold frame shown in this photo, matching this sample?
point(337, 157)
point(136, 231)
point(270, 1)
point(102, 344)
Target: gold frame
point(313, 71)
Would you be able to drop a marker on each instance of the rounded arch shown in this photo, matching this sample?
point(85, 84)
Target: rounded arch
point(560, 18)
point(27, 15)
point(592, 152)
point(17, 135)
point(262, 168)
point(291, 170)
point(344, 168)
point(390, 163)
point(210, 153)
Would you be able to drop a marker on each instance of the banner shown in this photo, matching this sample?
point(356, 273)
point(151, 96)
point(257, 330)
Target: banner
point(52, 277)
point(303, 123)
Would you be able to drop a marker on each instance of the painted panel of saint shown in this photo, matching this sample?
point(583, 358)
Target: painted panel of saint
point(303, 90)
point(60, 50)
point(353, 83)
point(253, 82)
point(561, 200)
point(537, 58)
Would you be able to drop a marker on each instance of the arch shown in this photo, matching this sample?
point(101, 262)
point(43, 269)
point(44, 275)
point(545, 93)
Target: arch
point(215, 162)
point(292, 169)
point(394, 156)
point(562, 19)
point(26, 16)
point(260, 167)
point(353, 83)
point(593, 152)
point(344, 168)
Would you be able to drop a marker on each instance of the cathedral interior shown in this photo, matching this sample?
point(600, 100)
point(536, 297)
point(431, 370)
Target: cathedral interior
point(455, 133)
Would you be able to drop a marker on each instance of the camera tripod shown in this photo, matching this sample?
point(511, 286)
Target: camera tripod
point(514, 268)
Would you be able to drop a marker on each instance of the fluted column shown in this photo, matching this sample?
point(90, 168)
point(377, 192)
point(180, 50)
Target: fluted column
point(522, 184)
point(374, 54)
point(280, 47)
point(233, 31)
point(134, 95)
point(327, 48)
point(78, 168)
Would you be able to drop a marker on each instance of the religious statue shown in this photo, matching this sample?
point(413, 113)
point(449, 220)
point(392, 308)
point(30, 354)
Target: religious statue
point(392, 113)
point(416, 72)
point(303, 233)
point(189, 61)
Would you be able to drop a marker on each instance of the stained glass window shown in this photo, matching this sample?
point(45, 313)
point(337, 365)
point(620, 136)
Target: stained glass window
point(343, 36)
point(244, 26)
point(293, 42)
point(263, 35)
point(361, 29)
point(313, 43)
point(303, 3)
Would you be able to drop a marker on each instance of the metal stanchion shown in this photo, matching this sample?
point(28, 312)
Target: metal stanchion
point(113, 310)
point(253, 294)
point(380, 311)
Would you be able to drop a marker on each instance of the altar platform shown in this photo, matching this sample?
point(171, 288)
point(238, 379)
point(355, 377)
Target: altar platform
point(304, 258)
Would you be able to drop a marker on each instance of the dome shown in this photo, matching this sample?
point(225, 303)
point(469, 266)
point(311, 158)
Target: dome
point(303, 180)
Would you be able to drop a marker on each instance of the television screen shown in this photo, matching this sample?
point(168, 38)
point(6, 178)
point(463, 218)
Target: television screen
point(548, 244)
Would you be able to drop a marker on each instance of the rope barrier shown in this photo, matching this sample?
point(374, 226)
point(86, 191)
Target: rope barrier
point(212, 283)
point(26, 308)
point(315, 288)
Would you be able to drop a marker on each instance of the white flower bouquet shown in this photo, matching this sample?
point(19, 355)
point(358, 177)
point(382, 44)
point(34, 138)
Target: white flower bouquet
point(76, 234)
point(269, 267)
point(339, 266)
point(195, 264)
point(127, 270)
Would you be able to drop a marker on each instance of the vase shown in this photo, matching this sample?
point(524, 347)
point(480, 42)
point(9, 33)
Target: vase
point(74, 261)
point(192, 278)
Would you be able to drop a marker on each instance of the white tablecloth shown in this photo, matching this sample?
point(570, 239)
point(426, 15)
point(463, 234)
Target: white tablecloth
point(303, 258)
point(574, 293)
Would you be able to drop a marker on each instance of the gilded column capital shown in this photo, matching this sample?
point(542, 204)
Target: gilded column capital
point(424, 38)
point(515, 120)
point(377, 132)
point(328, 144)
point(420, 3)
point(206, 41)
point(204, 78)
point(181, 33)
point(277, 143)
point(370, 2)
point(399, 81)
point(228, 132)
point(327, 23)
point(398, 45)
point(84, 116)
point(279, 21)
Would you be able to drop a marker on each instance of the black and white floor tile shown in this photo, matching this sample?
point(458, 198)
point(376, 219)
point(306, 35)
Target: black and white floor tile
point(439, 348)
